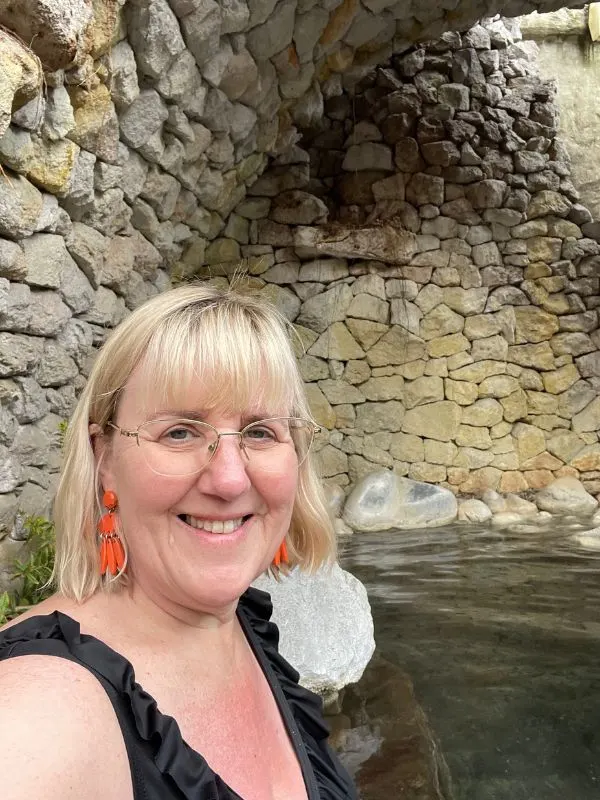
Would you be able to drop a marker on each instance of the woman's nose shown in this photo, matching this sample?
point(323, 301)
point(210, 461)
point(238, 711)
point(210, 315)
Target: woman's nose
point(226, 474)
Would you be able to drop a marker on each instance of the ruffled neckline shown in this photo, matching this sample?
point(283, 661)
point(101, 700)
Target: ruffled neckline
point(299, 708)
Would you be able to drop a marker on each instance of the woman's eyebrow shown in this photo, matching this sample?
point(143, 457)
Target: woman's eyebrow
point(178, 413)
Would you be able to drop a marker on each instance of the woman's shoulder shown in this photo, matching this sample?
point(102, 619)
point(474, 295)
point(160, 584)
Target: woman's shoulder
point(56, 720)
point(56, 725)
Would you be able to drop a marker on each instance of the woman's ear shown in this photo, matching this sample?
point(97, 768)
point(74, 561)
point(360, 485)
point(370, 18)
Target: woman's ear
point(101, 448)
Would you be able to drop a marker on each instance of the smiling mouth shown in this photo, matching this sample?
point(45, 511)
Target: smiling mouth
point(214, 526)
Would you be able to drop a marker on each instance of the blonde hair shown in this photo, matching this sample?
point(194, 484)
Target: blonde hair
point(235, 344)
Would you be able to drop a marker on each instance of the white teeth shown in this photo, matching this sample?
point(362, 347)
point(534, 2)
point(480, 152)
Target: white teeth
point(215, 526)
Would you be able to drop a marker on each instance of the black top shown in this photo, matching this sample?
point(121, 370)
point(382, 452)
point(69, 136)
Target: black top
point(163, 765)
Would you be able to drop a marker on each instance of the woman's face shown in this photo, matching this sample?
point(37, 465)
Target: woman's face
point(173, 557)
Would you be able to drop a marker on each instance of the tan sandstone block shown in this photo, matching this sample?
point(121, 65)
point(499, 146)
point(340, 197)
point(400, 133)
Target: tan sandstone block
point(331, 461)
point(471, 436)
point(407, 447)
point(322, 413)
point(437, 366)
point(397, 346)
point(481, 479)
point(506, 461)
point(565, 446)
point(461, 392)
point(560, 380)
point(366, 332)
point(345, 416)
point(435, 420)
point(501, 430)
point(412, 370)
point(447, 345)
point(338, 392)
point(542, 461)
point(457, 475)
point(483, 413)
point(423, 390)
point(430, 473)
point(476, 373)
point(498, 386)
point(534, 325)
point(515, 406)
point(440, 452)
point(383, 388)
point(513, 482)
point(529, 441)
point(587, 459)
point(537, 356)
point(358, 467)
point(357, 371)
point(566, 472)
point(539, 478)
point(472, 458)
point(338, 343)
point(541, 403)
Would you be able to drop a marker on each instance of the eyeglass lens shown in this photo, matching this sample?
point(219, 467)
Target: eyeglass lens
point(185, 447)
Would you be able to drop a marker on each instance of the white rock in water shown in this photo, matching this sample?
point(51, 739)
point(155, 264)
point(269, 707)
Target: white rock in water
point(564, 496)
point(506, 519)
point(589, 539)
point(518, 505)
point(473, 511)
point(494, 501)
point(325, 626)
point(383, 500)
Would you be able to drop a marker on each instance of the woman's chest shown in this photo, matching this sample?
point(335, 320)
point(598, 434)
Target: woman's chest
point(237, 727)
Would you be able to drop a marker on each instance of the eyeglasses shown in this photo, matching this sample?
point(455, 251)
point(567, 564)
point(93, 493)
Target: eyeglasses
point(178, 447)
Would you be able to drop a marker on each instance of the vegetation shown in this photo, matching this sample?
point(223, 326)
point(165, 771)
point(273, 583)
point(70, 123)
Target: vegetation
point(34, 572)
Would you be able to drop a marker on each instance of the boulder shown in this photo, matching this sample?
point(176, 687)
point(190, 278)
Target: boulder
point(384, 500)
point(380, 718)
point(473, 511)
point(56, 31)
point(325, 626)
point(566, 496)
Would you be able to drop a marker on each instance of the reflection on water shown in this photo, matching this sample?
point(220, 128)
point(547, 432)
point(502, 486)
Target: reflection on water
point(500, 633)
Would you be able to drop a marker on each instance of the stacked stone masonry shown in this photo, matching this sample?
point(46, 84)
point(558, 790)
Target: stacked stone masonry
point(422, 235)
point(440, 272)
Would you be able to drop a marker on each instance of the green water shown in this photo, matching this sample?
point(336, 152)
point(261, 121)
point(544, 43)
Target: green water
point(500, 634)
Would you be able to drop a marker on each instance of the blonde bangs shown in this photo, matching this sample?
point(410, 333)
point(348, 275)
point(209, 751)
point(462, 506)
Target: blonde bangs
point(219, 356)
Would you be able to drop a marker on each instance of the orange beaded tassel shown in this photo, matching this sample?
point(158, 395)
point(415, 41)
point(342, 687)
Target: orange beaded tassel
point(281, 556)
point(112, 554)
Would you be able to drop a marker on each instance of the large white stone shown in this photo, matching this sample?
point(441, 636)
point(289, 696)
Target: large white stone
point(384, 500)
point(325, 626)
point(566, 496)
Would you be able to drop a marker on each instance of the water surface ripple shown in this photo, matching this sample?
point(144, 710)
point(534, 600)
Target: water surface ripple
point(500, 632)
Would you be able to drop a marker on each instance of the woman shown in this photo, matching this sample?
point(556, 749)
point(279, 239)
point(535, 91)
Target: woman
point(185, 477)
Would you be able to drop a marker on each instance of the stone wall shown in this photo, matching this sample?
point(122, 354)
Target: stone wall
point(568, 55)
point(448, 308)
point(130, 133)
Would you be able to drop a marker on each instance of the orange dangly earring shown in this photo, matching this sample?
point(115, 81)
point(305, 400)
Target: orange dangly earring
point(112, 554)
point(281, 556)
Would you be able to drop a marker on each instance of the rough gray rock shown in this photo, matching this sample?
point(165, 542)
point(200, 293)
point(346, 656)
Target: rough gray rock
point(20, 207)
point(154, 34)
point(325, 626)
point(143, 118)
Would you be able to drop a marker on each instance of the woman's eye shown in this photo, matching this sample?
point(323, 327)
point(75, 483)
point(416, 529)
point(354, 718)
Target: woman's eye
point(260, 435)
point(178, 435)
